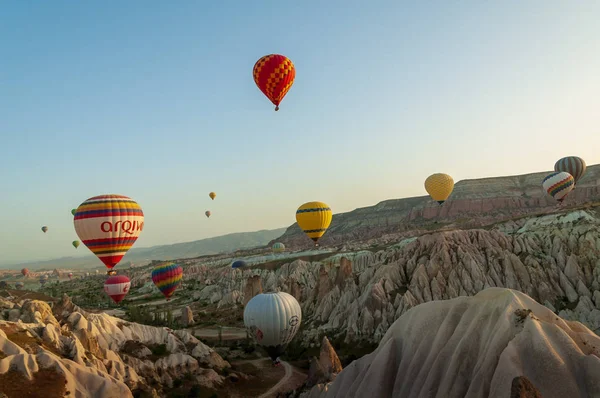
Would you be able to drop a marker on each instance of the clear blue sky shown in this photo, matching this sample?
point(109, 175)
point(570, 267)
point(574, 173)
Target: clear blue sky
point(155, 100)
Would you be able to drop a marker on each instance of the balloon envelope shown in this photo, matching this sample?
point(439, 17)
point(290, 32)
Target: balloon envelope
point(76, 243)
point(117, 287)
point(44, 229)
point(439, 186)
point(167, 278)
point(573, 165)
point(278, 247)
point(558, 184)
point(207, 213)
point(73, 211)
point(273, 319)
point(314, 219)
point(238, 264)
point(274, 75)
point(109, 225)
point(212, 195)
point(25, 271)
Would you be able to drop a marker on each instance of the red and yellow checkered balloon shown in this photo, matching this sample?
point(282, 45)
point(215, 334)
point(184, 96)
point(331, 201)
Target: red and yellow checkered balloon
point(274, 75)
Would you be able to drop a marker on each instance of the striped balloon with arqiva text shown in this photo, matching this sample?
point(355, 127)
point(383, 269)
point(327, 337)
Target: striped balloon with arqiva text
point(109, 225)
point(167, 278)
point(558, 184)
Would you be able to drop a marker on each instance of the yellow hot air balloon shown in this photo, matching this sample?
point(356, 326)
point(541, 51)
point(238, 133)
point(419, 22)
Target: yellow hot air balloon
point(212, 195)
point(439, 186)
point(314, 219)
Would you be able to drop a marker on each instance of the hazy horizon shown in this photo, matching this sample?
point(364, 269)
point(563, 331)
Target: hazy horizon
point(158, 103)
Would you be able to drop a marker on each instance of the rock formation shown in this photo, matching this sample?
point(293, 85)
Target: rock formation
point(99, 355)
point(475, 347)
point(187, 317)
point(326, 367)
point(252, 288)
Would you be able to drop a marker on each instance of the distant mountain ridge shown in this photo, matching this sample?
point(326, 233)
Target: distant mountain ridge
point(208, 246)
point(473, 203)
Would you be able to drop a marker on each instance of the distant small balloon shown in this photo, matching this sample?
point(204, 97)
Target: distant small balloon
point(238, 264)
point(167, 278)
point(117, 287)
point(278, 247)
point(212, 195)
point(73, 211)
point(207, 213)
point(76, 244)
point(44, 229)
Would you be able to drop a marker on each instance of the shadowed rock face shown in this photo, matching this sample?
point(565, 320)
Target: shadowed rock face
point(473, 203)
point(472, 347)
point(522, 388)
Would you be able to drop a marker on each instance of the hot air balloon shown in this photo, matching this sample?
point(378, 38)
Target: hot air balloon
point(274, 75)
point(278, 247)
point(439, 186)
point(19, 285)
point(573, 165)
point(44, 229)
point(207, 213)
point(167, 277)
point(76, 243)
point(212, 195)
point(558, 185)
point(314, 219)
point(109, 225)
point(25, 272)
point(73, 211)
point(117, 287)
point(70, 275)
point(238, 264)
point(273, 319)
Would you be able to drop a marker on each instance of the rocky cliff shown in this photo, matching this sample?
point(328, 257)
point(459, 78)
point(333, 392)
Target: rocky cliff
point(70, 352)
point(475, 347)
point(356, 295)
point(473, 203)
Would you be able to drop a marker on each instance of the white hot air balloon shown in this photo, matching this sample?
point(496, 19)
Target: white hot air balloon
point(273, 319)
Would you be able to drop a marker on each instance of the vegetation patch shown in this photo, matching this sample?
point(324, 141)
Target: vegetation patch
point(276, 264)
point(133, 347)
point(563, 303)
point(158, 351)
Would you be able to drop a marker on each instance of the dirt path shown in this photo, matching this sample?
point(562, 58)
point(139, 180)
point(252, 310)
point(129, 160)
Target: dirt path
point(281, 383)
